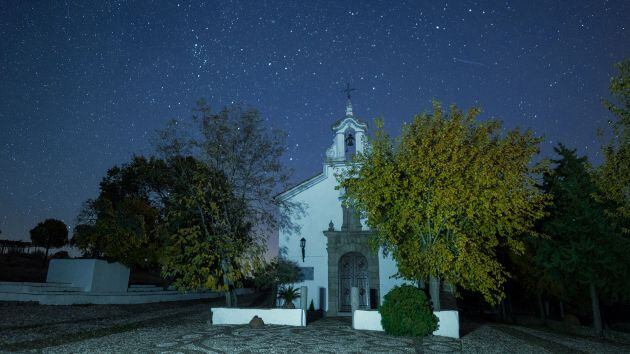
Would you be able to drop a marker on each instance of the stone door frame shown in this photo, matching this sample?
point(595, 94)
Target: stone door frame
point(340, 243)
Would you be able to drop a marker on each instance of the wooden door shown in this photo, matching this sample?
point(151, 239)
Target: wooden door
point(353, 271)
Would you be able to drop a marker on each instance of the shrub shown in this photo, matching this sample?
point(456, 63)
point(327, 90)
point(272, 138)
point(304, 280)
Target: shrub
point(288, 294)
point(406, 312)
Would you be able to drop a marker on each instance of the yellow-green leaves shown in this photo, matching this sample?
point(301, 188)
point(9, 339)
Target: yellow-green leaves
point(447, 193)
point(613, 177)
point(209, 242)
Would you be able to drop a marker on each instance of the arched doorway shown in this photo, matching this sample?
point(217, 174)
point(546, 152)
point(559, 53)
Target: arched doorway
point(353, 271)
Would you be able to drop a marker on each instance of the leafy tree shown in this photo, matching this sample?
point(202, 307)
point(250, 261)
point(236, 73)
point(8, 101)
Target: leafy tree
point(177, 213)
point(50, 233)
point(534, 278)
point(209, 244)
point(445, 195)
point(614, 175)
point(585, 251)
point(237, 142)
point(123, 222)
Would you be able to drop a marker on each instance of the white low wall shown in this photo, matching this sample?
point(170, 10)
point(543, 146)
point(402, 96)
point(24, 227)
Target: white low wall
point(448, 324)
point(235, 316)
point(367, 320)
point(92, 275)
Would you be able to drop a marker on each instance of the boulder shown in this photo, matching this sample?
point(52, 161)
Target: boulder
point(256, 322)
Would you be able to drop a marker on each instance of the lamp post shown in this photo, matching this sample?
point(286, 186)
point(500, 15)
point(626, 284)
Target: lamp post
point(302, 246)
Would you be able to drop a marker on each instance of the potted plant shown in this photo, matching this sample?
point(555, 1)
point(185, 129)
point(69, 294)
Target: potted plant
point(288, 294)
point(312, 314)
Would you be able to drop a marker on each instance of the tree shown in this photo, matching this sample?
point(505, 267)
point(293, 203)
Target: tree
point(237, 142)
point(50, 233)
point(209, 240)
point(584, 250)
point(614, 175)
point(446, 194)
point(123, 223)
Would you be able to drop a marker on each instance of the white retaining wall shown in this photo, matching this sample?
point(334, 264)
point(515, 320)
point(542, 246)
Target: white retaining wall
point(235, 316)
point(93, 275)
point(448, 324)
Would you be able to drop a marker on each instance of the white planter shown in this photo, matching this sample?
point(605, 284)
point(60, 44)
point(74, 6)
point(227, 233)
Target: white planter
point(92, 275)
point(367, 320)
point(448, 324)
point(235, 316)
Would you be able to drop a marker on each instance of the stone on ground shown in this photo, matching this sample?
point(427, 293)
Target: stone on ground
point(256, 323)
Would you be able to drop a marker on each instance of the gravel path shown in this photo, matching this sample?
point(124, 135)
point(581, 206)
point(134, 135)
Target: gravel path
point(183, 327)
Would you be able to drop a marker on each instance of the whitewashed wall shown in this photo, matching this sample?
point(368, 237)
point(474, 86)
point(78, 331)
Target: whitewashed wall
point(322, 204)
point(89, 274)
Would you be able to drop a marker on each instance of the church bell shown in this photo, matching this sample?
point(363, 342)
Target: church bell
point(350, 140)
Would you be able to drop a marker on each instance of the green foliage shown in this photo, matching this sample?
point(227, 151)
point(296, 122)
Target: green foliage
point(123, 223)
point(238, 142)
point(613, 176)
point(209, 242)
point(50, 234)
point(584, 247)
point(202, 211)
point(288, 293)
point(406, 312)
point(311, 307)
point(278, 271)
point(446, 194)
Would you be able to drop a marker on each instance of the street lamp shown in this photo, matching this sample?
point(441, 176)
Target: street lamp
point(302, 246)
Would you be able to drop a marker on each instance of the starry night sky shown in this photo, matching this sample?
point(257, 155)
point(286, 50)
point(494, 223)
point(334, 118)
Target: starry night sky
point(85, 84)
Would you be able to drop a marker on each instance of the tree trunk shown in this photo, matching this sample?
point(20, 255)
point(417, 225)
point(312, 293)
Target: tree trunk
point(434, 290)
point(547, 308)
point(509, 311)
point(502, 314)
point(235, 299)
point(226, 283)
point(561, 310)
point(597, 316)
point(46, 255)
point(541, 308)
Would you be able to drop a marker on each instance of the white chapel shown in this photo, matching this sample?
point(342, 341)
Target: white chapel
point(332, 246)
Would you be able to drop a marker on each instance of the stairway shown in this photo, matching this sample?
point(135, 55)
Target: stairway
point(66, 294)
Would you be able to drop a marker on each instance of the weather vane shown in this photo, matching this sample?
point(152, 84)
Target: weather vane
point(348, 90)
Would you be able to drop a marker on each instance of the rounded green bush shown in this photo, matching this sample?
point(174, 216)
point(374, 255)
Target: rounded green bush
point(406, 312)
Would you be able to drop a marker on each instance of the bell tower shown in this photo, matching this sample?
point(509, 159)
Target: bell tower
point(349, 136)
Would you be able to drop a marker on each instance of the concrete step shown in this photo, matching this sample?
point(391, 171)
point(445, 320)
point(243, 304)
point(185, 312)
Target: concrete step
point(143, 286)
point(140, 297)
point(33, 283)
point(144, 289)
point(38, 288)
point(64, 298)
